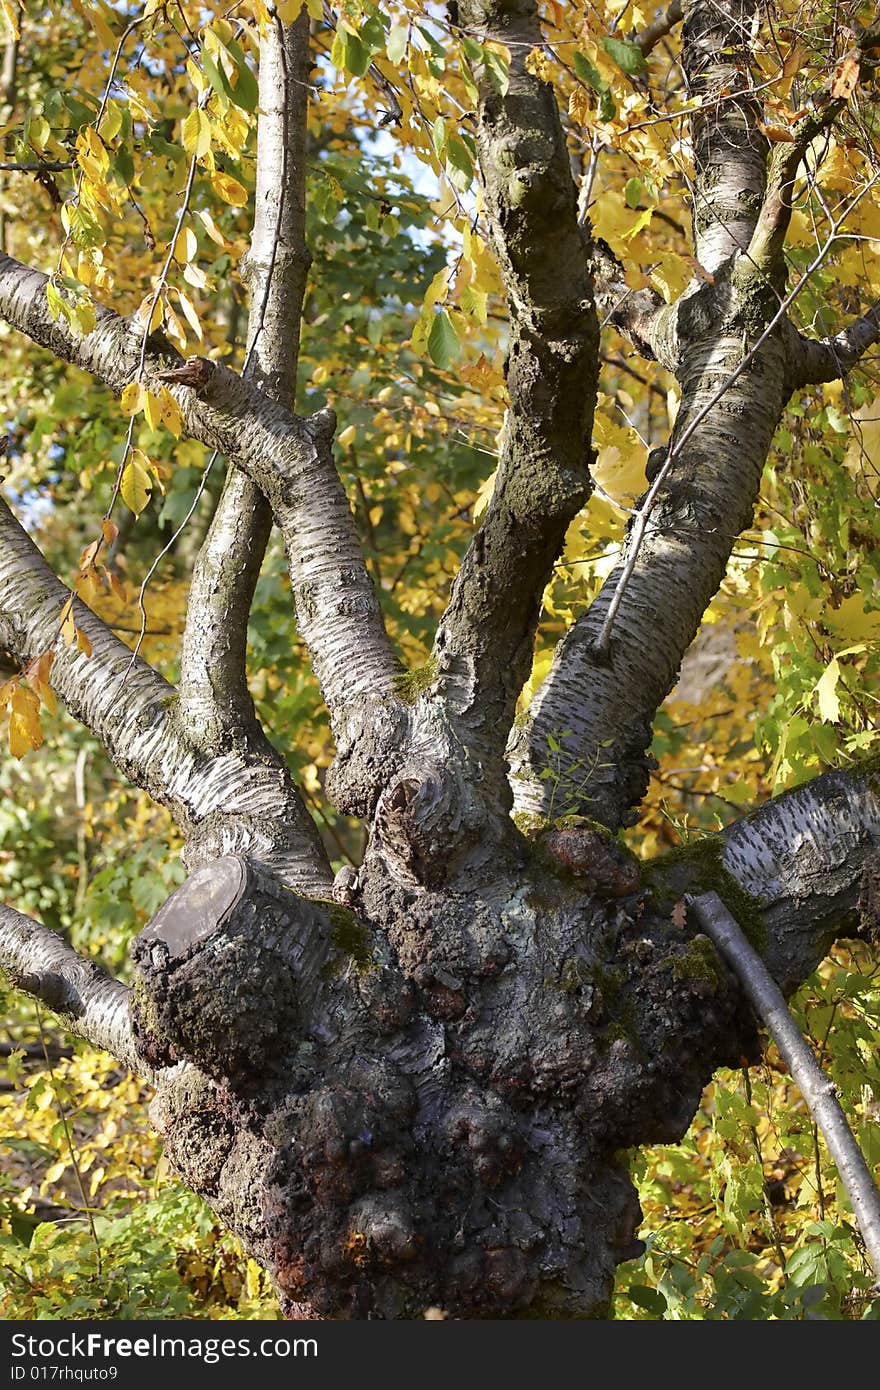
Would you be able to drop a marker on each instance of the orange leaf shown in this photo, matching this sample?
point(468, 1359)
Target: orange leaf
point(776, 133)
point(794, 59)
point(83, 642)
point(109, 529)
point(846, 77)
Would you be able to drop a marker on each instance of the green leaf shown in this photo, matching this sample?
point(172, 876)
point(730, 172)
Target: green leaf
point(459, 159)
point(652, 1300)
point(443, 340)
point(396, 43)
point(633, 193)
point(245, 91)
point(498, 71)
point(588, 73)
point(628, 56)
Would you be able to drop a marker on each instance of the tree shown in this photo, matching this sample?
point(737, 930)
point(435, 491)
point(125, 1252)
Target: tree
point(412, 1083)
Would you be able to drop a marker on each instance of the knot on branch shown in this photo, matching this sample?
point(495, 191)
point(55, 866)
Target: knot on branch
point(226, 972)
point(593, 854)
point(195, 372)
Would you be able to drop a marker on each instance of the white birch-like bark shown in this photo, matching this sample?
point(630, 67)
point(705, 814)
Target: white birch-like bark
point(241, 799)
point(213, 674)
point(89, 1003)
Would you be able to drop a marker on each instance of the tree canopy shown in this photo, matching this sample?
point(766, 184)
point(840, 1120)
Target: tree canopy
point(442, 449)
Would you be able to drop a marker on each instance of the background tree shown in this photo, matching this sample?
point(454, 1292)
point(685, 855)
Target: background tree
point(410, 1083)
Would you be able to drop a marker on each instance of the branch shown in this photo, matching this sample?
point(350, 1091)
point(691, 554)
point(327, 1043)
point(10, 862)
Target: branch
point(730, 152)
point(291, 461)
point(43, 166)
point(240, 799)
point(806, 859)
point(814, 362)
point(818, 1092)
point(484, 642)
point(89, 1003)
point(768, 240)
point(642, 316)
point(648, 39)
point(214, 696)
point(583, 748)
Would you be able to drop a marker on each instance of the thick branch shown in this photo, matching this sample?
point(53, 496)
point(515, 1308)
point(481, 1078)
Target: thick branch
point(805, 858)
point(213, 672)
point(590, 724)
point(642, 316)
point(240, 799)
point(89, 1003)
point(484, 642)
point(814, 362)
point(730, 152)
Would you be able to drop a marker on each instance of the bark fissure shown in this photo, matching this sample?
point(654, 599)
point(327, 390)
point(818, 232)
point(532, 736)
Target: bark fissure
point(484, 642)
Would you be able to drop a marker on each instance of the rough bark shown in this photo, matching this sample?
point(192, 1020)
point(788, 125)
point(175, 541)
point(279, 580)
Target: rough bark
point(599, 704)
point(730, 153)
point(483, 647)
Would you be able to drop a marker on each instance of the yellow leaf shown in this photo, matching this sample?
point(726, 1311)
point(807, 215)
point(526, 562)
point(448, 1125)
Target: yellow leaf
point(155, 311)
point(152, 410)
point(197, 134)
point(169, 413)
point(229, 189)
point(288, 10)
point(346, 437)
point(136, 486)
point(133, 398)
point(24, 722)
point(851, 622)
point(826, 692)
point(66, 623)
point(254, 1273)
point(195, 276)
point(846, 77)
point(83, 642)
point(190, 314)
point(212, 229)
point(186, 246)
point(11, 17)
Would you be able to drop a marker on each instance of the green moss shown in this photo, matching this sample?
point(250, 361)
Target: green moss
point(698, 867)
point(409, 685)
point(699, 962)
point(528, 824)
point(349, 934)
